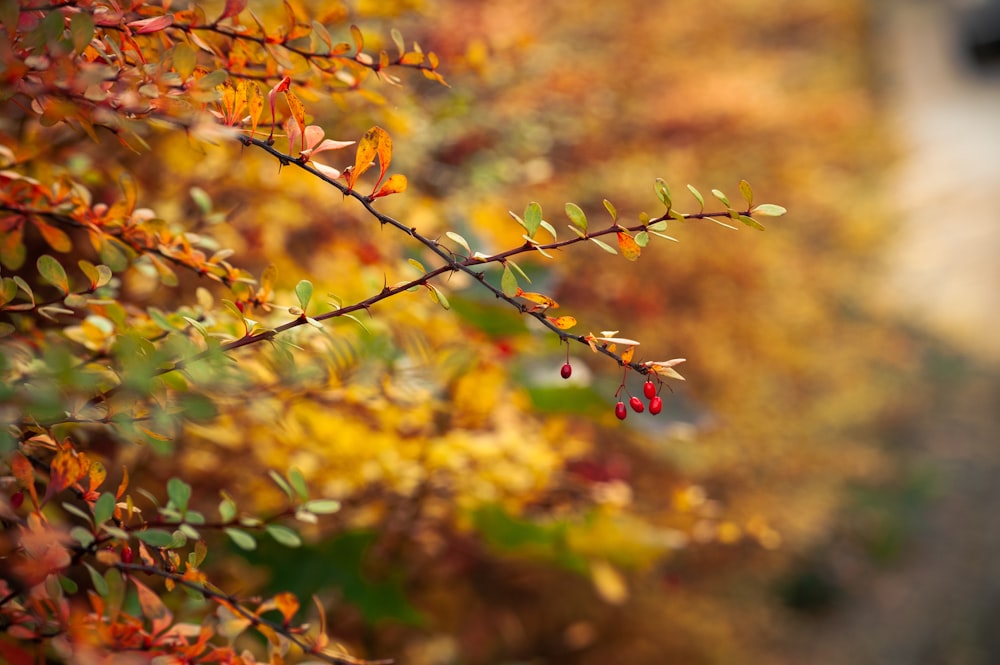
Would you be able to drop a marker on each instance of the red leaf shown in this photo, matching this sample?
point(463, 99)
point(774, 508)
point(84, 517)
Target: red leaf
point(233, 7)
point(155, 24)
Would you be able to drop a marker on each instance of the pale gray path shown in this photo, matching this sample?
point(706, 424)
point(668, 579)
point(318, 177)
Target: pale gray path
point(939, 603)
point(946, 264)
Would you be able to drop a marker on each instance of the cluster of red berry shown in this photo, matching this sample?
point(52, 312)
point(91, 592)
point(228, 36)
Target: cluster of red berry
point(649, 389)
point(655, 402)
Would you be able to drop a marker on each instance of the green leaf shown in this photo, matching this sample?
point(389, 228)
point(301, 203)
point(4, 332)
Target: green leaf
point(304, 291)
point(115, 255)
point(241, 539)
point(284, 535)
point(322, 506)
point(298, 482)
point(551, 229)
point(79, 512)
point(52, 272)
point(460, 240)
point(641, 238)
point(82, 536)
point(104, 508)
point(576, 215)
point(227, 510)
point(81, 28)
point(751, 222)
point(179, 492)
point(282, 483)
point(438, 296)
point(722, 197)
point(605, 246)
point(100, 584)
point(532, 218)
point(662, 192)
point(155, 537)
point(611, 210)
point(769, 210)
point(697, 195)
point(518, 270)
point(747, 191)
point(508, 283)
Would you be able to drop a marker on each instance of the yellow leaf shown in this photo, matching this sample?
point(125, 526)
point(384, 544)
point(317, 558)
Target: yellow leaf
point(287, 604)
point(608, 582)
point(396, 184)
point(627, 354)
point(298, 112)
point(562, 322)
point(629, 247)
point(364, 157)
point(544, 301)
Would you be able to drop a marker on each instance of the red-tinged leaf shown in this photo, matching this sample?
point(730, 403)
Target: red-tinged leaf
point(233, 8)
point(154, 24)
point(52, 272)
point(153, 608)
point(396, 184)
point(272, 95)
point(24, 473)
point(359, 40)
point(55, 237)
point(629, 247)
point(298, 112)
point(562, 322)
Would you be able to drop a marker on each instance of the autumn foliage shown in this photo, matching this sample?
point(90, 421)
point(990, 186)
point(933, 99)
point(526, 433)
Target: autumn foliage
point(245, 330)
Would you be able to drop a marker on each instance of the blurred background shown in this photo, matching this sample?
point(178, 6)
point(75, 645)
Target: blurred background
point(822, 488)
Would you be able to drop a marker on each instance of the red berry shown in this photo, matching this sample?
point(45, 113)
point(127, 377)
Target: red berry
point(127, 555)
point(16, 499)
point(620, 411)
point(566, 371)
point(649, 389)
point(655, 405)
point(636, 404)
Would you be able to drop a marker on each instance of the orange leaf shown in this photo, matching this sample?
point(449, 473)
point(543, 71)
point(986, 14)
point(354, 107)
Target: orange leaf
point(66, 469)
point(383, 148)
point(627, 354)
point(543, 301)
point(368, 148)
point(628, 246)
point(359, 40)
point(55, 237)
point(287, 604)
point(396, 184)
point(562, 322)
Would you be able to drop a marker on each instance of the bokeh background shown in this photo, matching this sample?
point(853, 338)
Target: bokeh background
point(822, 488)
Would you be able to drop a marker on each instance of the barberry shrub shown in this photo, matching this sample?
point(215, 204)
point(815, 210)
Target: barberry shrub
point(211, 346)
